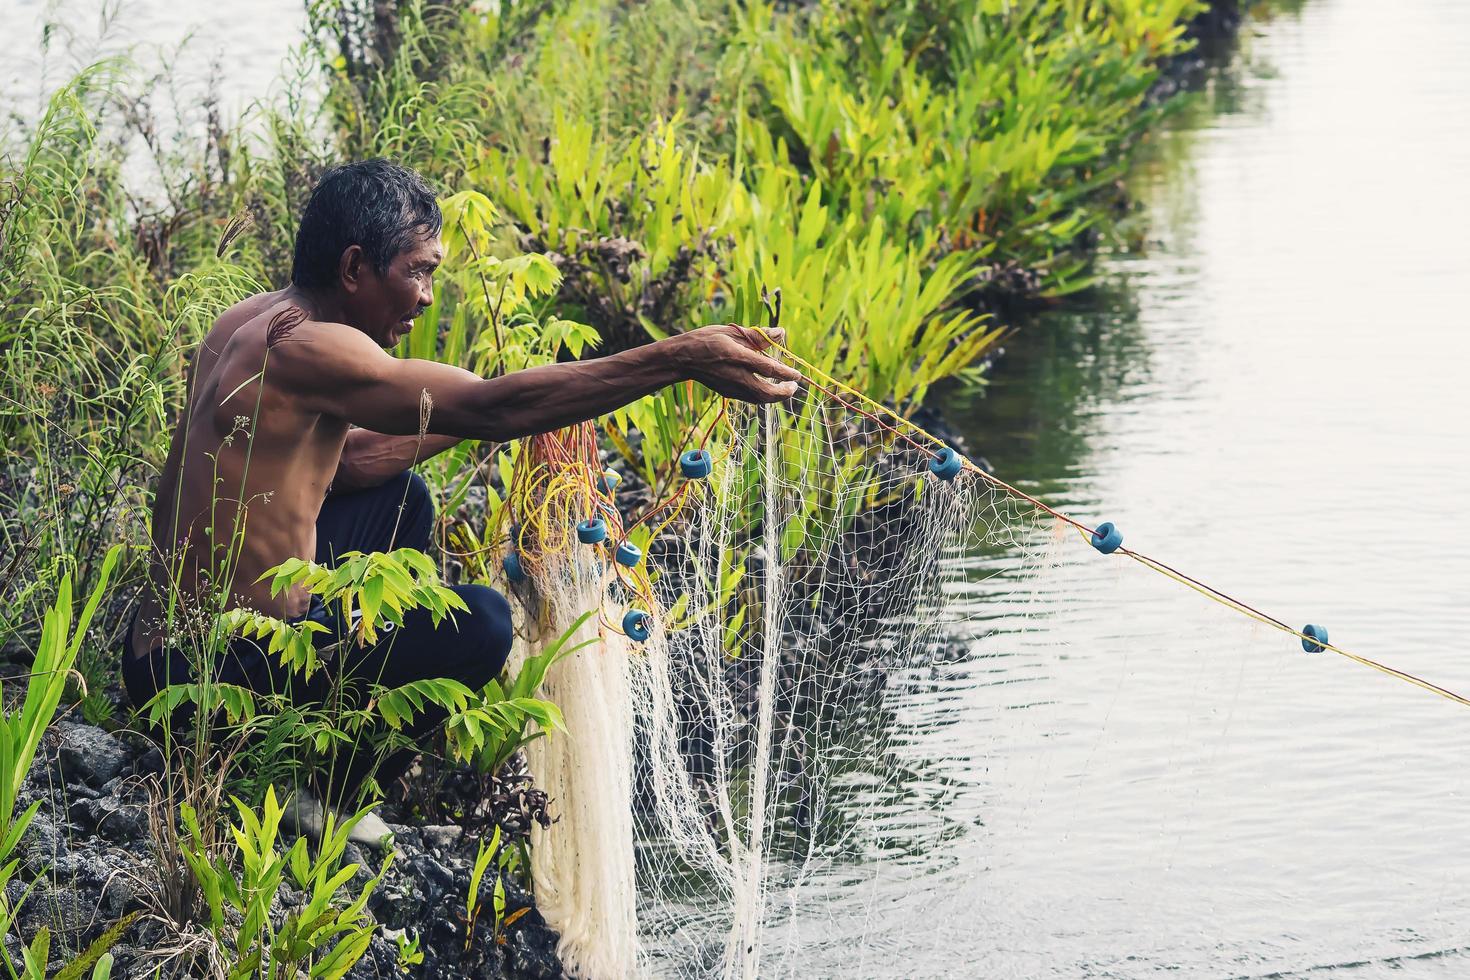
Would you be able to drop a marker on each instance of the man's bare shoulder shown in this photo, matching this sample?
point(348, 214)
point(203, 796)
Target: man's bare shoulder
point(291, 334)
point(312, 360)
point(272, 322)
point(248, 309)
point(271, 333)
point(236, 318)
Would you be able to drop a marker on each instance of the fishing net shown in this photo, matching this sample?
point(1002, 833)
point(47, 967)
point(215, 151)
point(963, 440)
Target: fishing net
point(769, 764)
point(731, 745)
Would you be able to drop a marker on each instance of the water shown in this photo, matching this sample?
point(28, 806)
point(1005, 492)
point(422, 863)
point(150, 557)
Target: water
point(244, 51)
point(1271, 396)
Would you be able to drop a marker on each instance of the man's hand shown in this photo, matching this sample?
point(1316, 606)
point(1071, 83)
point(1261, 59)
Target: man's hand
point(727, 359)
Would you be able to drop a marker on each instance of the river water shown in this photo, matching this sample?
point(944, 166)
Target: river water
point(244, 51)
point(1272, 396)
point(1269, 394)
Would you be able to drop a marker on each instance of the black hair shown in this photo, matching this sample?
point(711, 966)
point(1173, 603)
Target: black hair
point(380, 206)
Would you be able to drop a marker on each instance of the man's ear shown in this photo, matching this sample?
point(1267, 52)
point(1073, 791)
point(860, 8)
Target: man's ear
point(350, 268)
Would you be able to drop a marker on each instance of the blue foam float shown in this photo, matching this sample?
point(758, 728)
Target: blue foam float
point(512, 566)
point(696, 464)
point(1314, 638)
point(592, 530)
point(608, 481)
point(637, 625)
point(1107, 538)
point(628, 554)
point(946, 464)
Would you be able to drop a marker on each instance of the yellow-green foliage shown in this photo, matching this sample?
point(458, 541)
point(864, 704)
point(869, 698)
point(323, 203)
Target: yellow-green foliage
point(484, 727)
point(990, 132)
point(326, 937)
point(880, 157)
point(485, 301)
point(21, 729)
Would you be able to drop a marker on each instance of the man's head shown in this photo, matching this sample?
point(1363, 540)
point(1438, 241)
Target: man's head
point(370, 238)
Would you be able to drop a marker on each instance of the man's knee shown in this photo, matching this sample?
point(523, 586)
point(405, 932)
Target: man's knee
point(487, 627)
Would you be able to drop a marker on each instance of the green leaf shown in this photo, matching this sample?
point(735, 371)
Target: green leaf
point(372, 599)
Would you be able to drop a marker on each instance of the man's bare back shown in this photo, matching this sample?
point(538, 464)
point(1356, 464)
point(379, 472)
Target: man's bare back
point(248, 464)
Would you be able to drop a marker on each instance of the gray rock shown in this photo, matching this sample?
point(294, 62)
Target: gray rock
point(89, 755)
point(441, 837)
point(109, 818)
point(121, 823)
point(532, 953)
point(438, 880)
point(41, 845)
point(15, 891)
point(150, 762)
point(83, 813)
point(121, 895)
point(65, 866)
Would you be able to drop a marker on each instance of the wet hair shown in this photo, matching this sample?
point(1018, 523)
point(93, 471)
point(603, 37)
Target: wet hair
point(377, 205)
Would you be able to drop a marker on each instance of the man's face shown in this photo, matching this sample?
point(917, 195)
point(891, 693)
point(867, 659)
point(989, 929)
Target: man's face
point(384, 307)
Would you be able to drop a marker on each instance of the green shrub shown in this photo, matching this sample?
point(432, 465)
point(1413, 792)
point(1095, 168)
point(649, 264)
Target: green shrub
point(324, 937)
point(20, 736)
point(992, 128)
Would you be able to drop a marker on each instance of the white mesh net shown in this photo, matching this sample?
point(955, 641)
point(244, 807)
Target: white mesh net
point(583, 866)
point(746, 750)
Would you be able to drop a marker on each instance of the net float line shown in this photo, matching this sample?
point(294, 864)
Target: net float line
point(1105, 538)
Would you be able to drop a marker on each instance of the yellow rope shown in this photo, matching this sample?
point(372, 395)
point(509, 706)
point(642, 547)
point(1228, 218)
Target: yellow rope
point(1223, 599)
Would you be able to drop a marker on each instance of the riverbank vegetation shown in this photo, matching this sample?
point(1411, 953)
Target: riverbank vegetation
point(611, 173)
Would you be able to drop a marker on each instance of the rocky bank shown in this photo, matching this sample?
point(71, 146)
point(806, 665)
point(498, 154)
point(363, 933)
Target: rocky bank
point(90, 858)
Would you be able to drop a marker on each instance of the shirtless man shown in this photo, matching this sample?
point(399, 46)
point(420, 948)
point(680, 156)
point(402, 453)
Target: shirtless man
point(300, 430)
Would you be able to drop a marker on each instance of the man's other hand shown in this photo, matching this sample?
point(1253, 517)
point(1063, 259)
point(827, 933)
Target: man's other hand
point(728, 359)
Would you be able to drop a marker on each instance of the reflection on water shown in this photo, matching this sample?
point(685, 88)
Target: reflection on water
point(1271, 395)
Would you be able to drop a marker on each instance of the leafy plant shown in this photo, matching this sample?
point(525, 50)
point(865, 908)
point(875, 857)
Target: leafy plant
point(640, 227)
point(483, 855)
point(409, 953)
point(990, 128)
point(486, 726)
point(325, 937)
point(20, 736)
point(379, 586)
point(507, 734)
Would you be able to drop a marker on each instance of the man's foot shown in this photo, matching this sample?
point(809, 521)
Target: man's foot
point(308, 815)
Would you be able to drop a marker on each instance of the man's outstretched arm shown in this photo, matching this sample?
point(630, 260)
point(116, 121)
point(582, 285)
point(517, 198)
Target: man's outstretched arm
point(340, 371)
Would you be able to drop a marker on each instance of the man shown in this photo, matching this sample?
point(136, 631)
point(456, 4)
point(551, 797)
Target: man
point(292, 396)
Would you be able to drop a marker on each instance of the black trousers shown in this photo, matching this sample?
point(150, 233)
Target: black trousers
point(470, 649)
